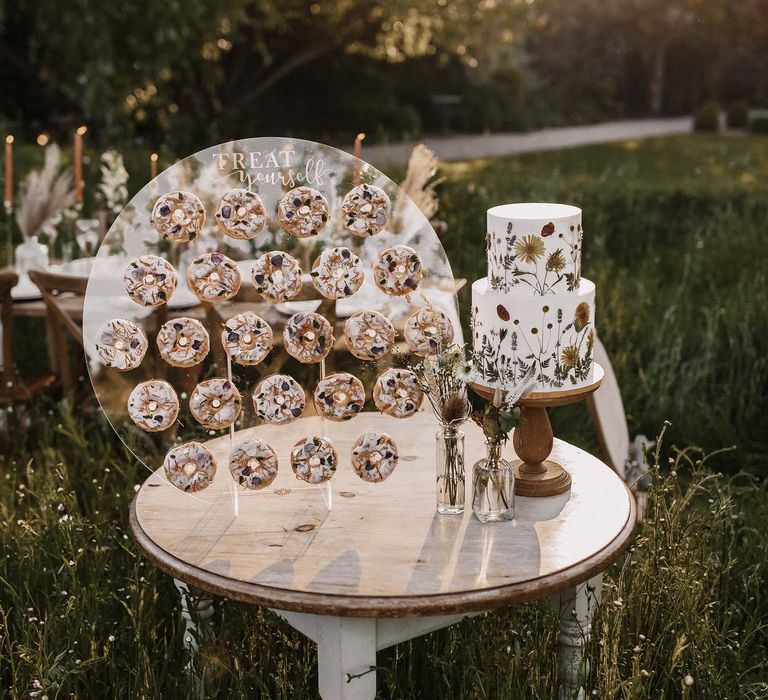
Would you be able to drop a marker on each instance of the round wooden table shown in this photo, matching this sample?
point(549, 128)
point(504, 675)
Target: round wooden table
point(380, 551)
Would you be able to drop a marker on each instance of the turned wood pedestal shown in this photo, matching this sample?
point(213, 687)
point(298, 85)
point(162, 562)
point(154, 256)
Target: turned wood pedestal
point(535, 473)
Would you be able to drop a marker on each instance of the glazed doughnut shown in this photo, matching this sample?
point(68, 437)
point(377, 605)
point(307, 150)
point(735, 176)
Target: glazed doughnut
point(365, 210)
point(149, 280)
point(339, 396)
point(215, 403)
point(278, 399)
point(240, 214)
point(276, 276)
point(397, 271)
point(427, 330)
point(153, 405)
point(253, 464)
point(247, 338)
point(302, 212)
point(183, 342)
point(213, 277)
point(337, 273)
point(374, 456)
point(121, 344)
point(308, 337)
point(397, 393)
point(368, 335)
point(190, 467)
point(314, 459)
point(178, 216)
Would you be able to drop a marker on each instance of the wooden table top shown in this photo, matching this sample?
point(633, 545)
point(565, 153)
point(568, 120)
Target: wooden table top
point(36, 308)
point(382, 551)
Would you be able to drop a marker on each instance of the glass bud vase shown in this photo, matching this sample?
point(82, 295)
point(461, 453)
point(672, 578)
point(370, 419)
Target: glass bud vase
point(450, 471)
point(31, 255)
point(493, 487)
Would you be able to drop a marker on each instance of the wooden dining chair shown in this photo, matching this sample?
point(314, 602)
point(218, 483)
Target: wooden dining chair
point(8, 280)
point(625, 455)
point(16, 385)
point(63, 296)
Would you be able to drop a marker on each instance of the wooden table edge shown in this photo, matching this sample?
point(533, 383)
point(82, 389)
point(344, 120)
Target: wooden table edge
point(386, 606)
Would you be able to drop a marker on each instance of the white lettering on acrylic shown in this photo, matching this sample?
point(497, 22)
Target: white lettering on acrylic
point(269, 168)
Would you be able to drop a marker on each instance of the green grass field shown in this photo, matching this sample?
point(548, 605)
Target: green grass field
point(676, 230)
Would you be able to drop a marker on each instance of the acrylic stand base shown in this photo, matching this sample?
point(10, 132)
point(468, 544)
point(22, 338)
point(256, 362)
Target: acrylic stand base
point(535, 474)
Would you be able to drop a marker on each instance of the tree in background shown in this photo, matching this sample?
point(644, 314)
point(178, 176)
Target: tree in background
point(185, 73)
point(644, 56)
point(662, 25)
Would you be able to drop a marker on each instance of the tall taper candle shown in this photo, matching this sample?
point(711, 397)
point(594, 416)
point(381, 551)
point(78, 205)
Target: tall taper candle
point(358, 152)
point(153, 166)
point(79, 163)
point(8, 199)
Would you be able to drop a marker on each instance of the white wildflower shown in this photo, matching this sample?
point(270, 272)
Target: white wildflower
point(114, 179)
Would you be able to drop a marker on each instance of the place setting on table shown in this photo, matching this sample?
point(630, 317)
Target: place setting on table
point(306, 432)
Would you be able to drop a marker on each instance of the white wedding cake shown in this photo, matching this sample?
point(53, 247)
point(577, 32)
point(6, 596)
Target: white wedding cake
point(534, 313)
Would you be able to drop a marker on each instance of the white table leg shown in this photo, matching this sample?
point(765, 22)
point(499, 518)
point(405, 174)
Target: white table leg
point(575, 607)
point(346, 648)
point(197, 610)
point(346, 653)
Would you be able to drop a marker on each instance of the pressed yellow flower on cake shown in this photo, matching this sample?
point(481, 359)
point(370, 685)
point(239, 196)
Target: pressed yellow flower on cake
point(529, 248)
point(556, 261)
point(590, 340)
point(570, 356)
point(581, 316)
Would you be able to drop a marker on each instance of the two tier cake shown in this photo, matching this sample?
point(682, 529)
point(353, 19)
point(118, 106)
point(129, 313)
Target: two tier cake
point(534, 313)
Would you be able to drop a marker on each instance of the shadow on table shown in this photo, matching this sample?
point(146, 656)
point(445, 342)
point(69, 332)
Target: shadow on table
point(461, 553)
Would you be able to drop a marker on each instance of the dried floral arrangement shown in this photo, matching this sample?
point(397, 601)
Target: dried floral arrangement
point(499, 415)
point(443, 379)
point(446, 378)
point(44, 197)
point(419, 185)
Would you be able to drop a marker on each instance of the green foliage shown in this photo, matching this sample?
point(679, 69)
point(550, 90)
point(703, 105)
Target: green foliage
point(185, 75)
point(760, 125)
point(495, 422)
point(707, 117)
point(737, 116)
point(405, 124)
point(189, 74)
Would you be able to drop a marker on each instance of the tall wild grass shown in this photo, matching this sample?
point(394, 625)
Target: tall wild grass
point(82, 614)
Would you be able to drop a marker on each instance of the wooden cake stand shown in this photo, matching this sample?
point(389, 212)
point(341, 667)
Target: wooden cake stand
point(535, 474)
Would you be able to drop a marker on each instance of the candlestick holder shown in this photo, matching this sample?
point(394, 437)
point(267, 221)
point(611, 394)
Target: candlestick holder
point(535, 473)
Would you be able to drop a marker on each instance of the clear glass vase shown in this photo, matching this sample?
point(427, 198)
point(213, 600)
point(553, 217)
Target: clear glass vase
point(450, 471)
point(31, 255)
point(493, 487)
